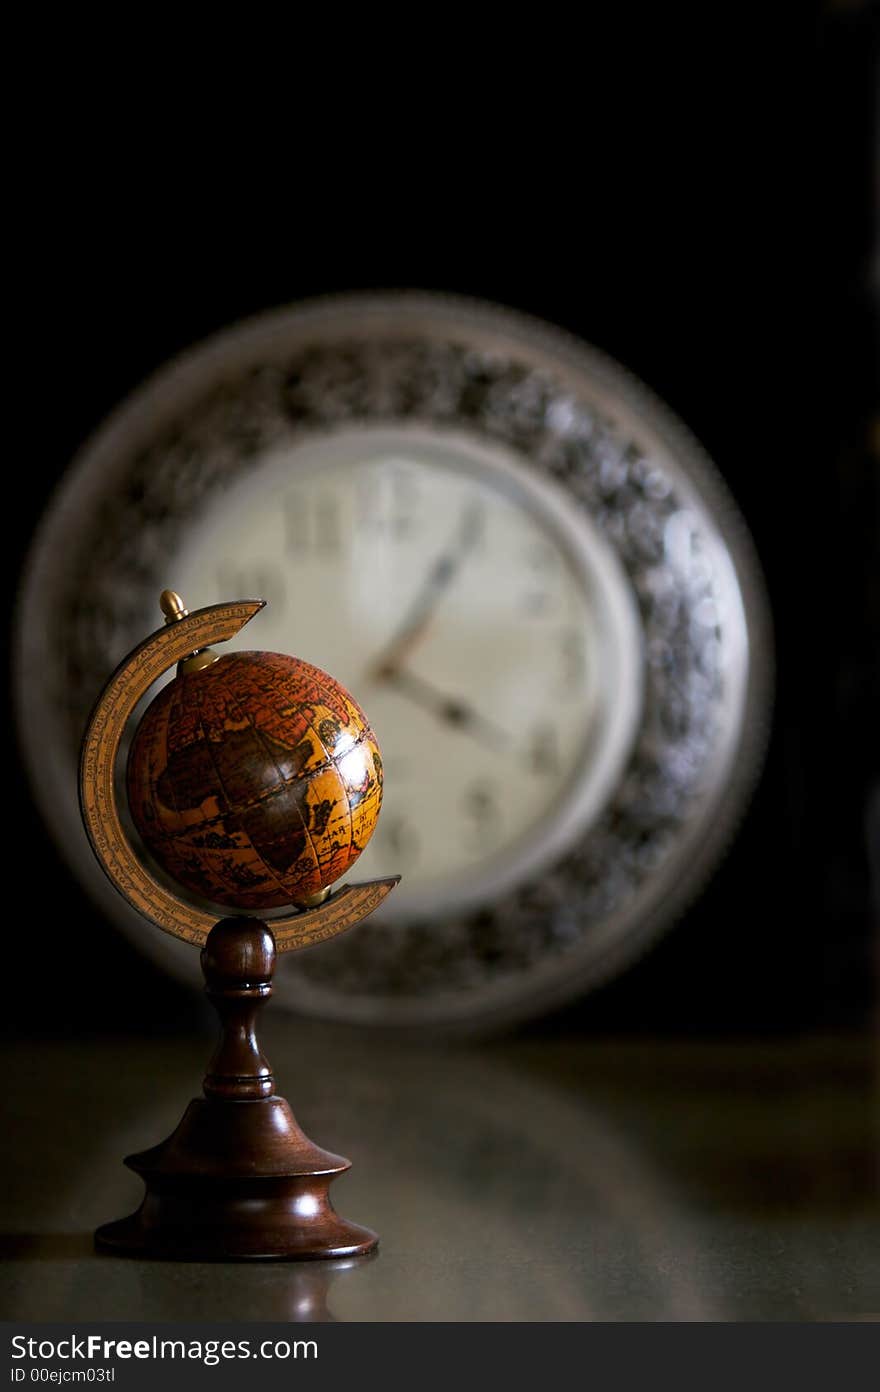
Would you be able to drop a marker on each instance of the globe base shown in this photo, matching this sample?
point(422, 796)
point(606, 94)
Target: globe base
point(237, 1180)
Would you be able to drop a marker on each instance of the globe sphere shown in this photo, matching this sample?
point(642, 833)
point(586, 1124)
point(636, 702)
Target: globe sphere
point(255, 782)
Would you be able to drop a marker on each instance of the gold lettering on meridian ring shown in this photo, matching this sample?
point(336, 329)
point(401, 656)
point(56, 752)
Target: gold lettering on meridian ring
point(170, 644)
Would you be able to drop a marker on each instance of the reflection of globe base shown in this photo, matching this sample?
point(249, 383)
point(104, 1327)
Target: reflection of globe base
point(237, 1180)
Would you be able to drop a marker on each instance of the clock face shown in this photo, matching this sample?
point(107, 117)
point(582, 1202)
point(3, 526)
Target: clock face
point(488, 634)
point(525, 570)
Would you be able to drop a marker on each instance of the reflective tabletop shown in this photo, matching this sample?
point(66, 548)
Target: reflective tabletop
point(532, 1179)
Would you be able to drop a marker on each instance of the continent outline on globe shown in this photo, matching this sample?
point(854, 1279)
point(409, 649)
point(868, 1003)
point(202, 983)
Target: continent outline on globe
point(255, 782)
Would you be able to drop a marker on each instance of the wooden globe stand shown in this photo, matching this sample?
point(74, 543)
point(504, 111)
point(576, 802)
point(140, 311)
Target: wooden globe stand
point(238, 1180)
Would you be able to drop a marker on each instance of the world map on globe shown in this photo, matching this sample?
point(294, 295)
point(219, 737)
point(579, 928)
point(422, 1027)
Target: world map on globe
point(255, 782)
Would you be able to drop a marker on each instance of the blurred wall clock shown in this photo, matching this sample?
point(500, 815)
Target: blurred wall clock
point(521, 563)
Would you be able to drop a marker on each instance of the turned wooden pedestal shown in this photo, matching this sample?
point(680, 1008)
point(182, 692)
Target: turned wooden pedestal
point(238, 1180)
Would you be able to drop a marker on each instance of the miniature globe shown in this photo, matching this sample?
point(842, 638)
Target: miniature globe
point(254, 779)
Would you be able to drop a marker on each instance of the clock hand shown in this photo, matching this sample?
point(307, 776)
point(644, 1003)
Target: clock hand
point(438, 579)
point(451, 709)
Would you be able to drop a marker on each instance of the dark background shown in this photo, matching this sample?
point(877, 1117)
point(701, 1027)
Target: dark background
point(696, 202)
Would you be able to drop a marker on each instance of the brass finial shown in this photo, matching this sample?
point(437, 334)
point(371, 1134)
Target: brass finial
point(172, 606)
point(174, 609)
point(311, 901)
